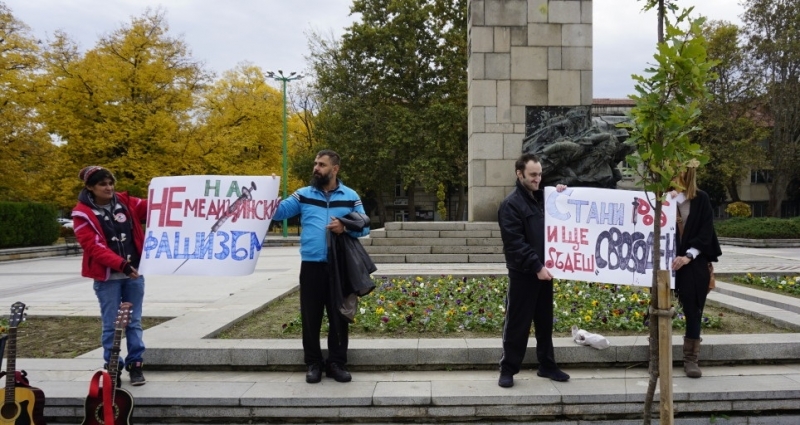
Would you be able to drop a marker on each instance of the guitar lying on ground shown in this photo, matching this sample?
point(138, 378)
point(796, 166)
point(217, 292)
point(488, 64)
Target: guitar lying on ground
point(99, 407)
point(22, 405)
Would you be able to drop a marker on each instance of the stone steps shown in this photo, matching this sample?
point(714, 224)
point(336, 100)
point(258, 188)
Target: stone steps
point(406, 354)
point(415, 242)
point(193, 378)
point(435, 242)
point(764, 394)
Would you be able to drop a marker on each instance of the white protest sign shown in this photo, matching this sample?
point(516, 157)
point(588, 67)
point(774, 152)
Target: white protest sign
point(207, 225)
point(606, 235)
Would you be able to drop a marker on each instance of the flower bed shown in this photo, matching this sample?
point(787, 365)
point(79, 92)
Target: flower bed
point(447, 304)
point(786, 284)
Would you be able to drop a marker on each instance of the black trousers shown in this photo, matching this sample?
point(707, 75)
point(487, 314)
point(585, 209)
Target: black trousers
point(529, 299)
point(691, 282)
point(314, 297)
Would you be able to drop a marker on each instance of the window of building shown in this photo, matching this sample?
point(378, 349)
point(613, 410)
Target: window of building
point(398, 188)
point(760, 176)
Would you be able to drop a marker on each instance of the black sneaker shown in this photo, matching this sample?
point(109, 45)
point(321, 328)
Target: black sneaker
point(338, 373)
point(314, 373)
point(136, 374)
point(554, 374)
point(119, 374)
point(506, 381)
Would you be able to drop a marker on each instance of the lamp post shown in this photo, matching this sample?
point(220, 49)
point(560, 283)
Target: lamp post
point(284, 79)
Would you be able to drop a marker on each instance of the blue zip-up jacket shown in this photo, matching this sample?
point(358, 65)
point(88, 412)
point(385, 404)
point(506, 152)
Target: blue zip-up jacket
point(315, 211)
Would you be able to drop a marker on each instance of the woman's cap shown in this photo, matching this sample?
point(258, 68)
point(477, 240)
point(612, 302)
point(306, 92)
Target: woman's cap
point(87, 172)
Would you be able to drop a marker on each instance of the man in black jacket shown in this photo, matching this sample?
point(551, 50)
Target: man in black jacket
point(530, 286)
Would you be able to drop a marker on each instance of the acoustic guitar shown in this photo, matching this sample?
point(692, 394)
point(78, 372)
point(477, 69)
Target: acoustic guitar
point(96, 409)
point(22, 405)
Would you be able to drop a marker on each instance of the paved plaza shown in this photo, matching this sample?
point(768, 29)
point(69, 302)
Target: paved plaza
point(191, 376)
point(52, 286)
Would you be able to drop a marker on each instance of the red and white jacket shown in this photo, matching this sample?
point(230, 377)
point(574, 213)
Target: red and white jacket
point(98, 259)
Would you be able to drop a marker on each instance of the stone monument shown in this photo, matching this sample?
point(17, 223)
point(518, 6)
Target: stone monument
point(525, 56)
point(576, 149)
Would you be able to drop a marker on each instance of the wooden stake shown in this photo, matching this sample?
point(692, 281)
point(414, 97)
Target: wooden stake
point(665, 350)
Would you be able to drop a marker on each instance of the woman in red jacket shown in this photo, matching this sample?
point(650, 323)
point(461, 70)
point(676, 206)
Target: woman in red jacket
point(108, 226)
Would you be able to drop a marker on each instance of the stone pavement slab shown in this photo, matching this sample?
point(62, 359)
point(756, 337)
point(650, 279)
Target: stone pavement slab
point(402, 393)
point(294, 394)
point(53, 286)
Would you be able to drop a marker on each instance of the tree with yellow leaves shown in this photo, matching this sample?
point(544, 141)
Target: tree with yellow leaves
point(240, 128)
point(26, 151)
point(126, 104)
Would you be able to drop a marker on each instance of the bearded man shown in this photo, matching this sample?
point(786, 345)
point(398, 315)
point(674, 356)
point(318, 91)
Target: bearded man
point(319, 206)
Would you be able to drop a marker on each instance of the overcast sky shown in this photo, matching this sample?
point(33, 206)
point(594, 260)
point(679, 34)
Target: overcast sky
point(272, 33)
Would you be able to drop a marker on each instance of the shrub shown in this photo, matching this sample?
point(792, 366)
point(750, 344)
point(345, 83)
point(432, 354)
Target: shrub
point(738, 209)
point(27, 224)
point(758, 228)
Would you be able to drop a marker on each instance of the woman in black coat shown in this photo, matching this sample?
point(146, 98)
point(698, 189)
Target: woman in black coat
point(697, 248)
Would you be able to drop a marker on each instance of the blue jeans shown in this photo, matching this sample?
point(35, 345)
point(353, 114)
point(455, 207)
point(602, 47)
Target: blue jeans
point(110, 294)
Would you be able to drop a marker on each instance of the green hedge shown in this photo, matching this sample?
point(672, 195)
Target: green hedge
point(759, 228)
point(27, 224)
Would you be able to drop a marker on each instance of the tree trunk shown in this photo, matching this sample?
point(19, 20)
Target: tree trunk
point(652, 369)
point(381, 210)
point(653, 364)
point(412, 216)
point(777, 193)
point(733, 190)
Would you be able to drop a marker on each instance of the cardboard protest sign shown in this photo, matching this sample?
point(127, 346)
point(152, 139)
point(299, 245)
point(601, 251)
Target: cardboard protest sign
point(606, 235)
point(207, 225)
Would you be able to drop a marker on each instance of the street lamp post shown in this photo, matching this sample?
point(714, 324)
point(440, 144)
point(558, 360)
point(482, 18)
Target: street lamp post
point(284, 79)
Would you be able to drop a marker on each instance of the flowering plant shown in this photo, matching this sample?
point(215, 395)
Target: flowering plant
point(786, 284)
point(738, 209)
point(447, 304)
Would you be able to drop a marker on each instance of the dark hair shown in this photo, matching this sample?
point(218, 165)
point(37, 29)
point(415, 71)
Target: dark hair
point(99, 176)
point(330, 154)
point(93, 174)
point(523, 160)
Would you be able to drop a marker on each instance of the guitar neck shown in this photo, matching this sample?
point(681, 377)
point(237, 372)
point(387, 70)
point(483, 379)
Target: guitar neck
point(11, 365)
point(113, 363)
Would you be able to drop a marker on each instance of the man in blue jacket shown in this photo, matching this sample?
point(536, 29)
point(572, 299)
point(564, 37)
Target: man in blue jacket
point(319, 205)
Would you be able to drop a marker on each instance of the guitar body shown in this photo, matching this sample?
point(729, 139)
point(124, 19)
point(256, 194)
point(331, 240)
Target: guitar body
point(104, 384)
point(22, 404)
point(27, 409)
point(123, 407)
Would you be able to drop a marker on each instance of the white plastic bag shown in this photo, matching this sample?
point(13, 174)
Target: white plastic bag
point(583, 337)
